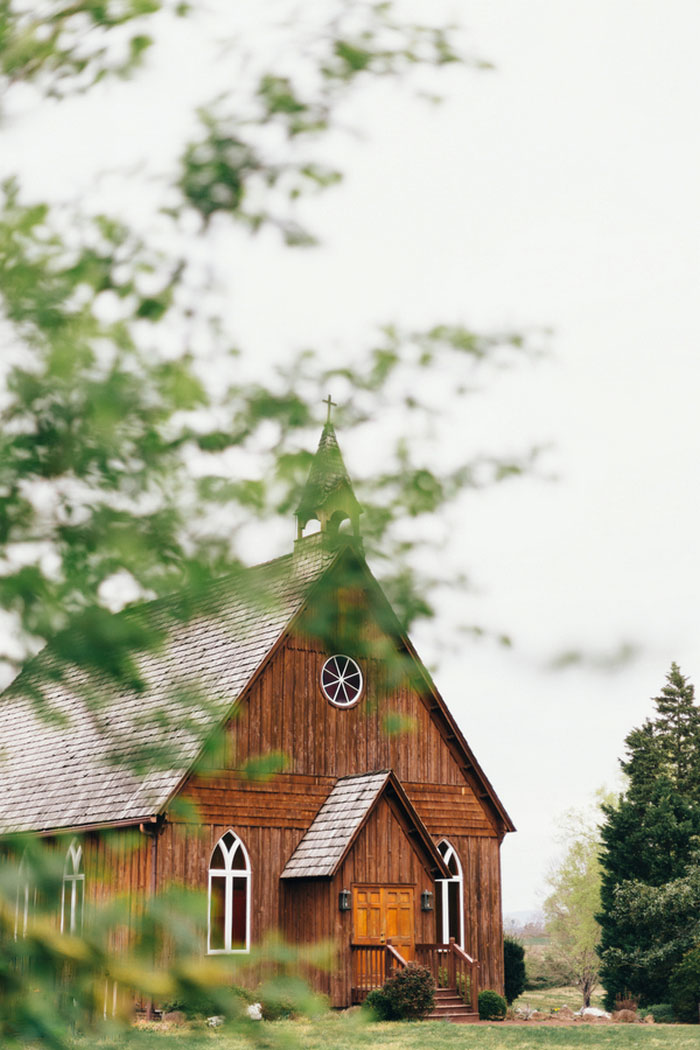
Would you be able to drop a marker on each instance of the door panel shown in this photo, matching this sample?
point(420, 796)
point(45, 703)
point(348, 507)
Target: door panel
point(399, 916)
point(384, 914)
point(367, 915)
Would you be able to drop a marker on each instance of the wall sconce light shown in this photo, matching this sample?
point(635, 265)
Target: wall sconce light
point(344, 900)
point(426, 901)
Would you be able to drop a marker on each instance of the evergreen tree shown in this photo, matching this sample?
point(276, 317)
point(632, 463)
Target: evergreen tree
point(649, 835)
point(678, 732)
point(660, 925)
point(514, 968)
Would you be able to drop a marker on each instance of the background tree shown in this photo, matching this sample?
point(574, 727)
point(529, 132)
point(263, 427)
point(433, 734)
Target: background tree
point(657, 926)
point(649, 838)
point(684, 986)
point(571, 907)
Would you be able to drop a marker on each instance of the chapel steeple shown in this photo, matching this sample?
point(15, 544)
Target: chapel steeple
point(328, 496)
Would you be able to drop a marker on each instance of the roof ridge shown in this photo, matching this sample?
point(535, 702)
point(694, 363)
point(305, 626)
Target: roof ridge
point(367, 773)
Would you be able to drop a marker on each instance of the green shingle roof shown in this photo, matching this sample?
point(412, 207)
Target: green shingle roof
point(327, 474)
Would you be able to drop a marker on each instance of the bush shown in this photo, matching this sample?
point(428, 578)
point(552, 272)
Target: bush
point(492, 1006)
point(411, 993)
point(378, 1002)
point(661, 1012)
point(197, 1003)
point(407, 996)
point(626, 1001)
point(684, 987)
point(514, 966)
point(545, 970)
point(277, 1009)
point(198, 1006)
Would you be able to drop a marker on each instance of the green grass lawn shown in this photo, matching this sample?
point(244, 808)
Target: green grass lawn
point(349, 1032)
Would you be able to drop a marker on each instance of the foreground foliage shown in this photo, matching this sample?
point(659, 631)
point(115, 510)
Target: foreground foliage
point(137, 441)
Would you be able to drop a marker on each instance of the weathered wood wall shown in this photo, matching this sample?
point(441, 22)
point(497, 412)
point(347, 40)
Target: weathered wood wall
point(383, 855)
point(284, 710)
point(308, 911)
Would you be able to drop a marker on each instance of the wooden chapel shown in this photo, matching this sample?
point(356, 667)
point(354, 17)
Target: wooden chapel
point(387, 843)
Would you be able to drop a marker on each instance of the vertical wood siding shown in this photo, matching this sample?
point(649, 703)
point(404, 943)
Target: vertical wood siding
point(381, 855)
point(284, 710)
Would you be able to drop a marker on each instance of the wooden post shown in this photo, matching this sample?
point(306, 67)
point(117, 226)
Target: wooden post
point(451, 980)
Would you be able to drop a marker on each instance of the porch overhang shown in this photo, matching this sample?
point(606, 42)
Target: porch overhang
point(342, 816)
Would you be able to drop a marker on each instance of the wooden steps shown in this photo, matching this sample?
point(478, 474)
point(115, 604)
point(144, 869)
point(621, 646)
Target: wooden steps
point(449, 1006)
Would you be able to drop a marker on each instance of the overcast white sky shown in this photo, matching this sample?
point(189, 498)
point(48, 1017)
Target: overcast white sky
point(560, 190)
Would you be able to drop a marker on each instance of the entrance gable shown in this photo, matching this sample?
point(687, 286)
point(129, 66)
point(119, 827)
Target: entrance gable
point(352, 805)
point(386, 852)
point(388, 879)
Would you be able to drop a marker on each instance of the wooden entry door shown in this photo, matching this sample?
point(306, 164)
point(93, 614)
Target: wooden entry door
point(385, 915)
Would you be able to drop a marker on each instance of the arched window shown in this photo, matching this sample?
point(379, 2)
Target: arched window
point(73, 890)
point(26, 898)
point(229, 897)
point(449, 910)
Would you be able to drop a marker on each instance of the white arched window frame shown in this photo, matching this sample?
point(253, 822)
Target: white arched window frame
point(73, 890)
point(26, 898)
point(228, 927)
point(451, 896)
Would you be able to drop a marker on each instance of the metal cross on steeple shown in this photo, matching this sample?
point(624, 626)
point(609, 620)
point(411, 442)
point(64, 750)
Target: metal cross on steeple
point(327, 401)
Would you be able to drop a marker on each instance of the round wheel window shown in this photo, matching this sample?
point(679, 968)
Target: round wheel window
point(341, 681)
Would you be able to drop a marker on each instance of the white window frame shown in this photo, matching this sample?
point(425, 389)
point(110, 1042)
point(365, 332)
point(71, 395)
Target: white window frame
point(23, 897)
point(229, 875)
point(351, 669)
point(443, 885)
point(73, 875)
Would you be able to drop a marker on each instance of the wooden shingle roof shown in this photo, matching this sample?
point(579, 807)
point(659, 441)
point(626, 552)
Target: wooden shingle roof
point(97, 765)
point(340, 819)
point(117, 756)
